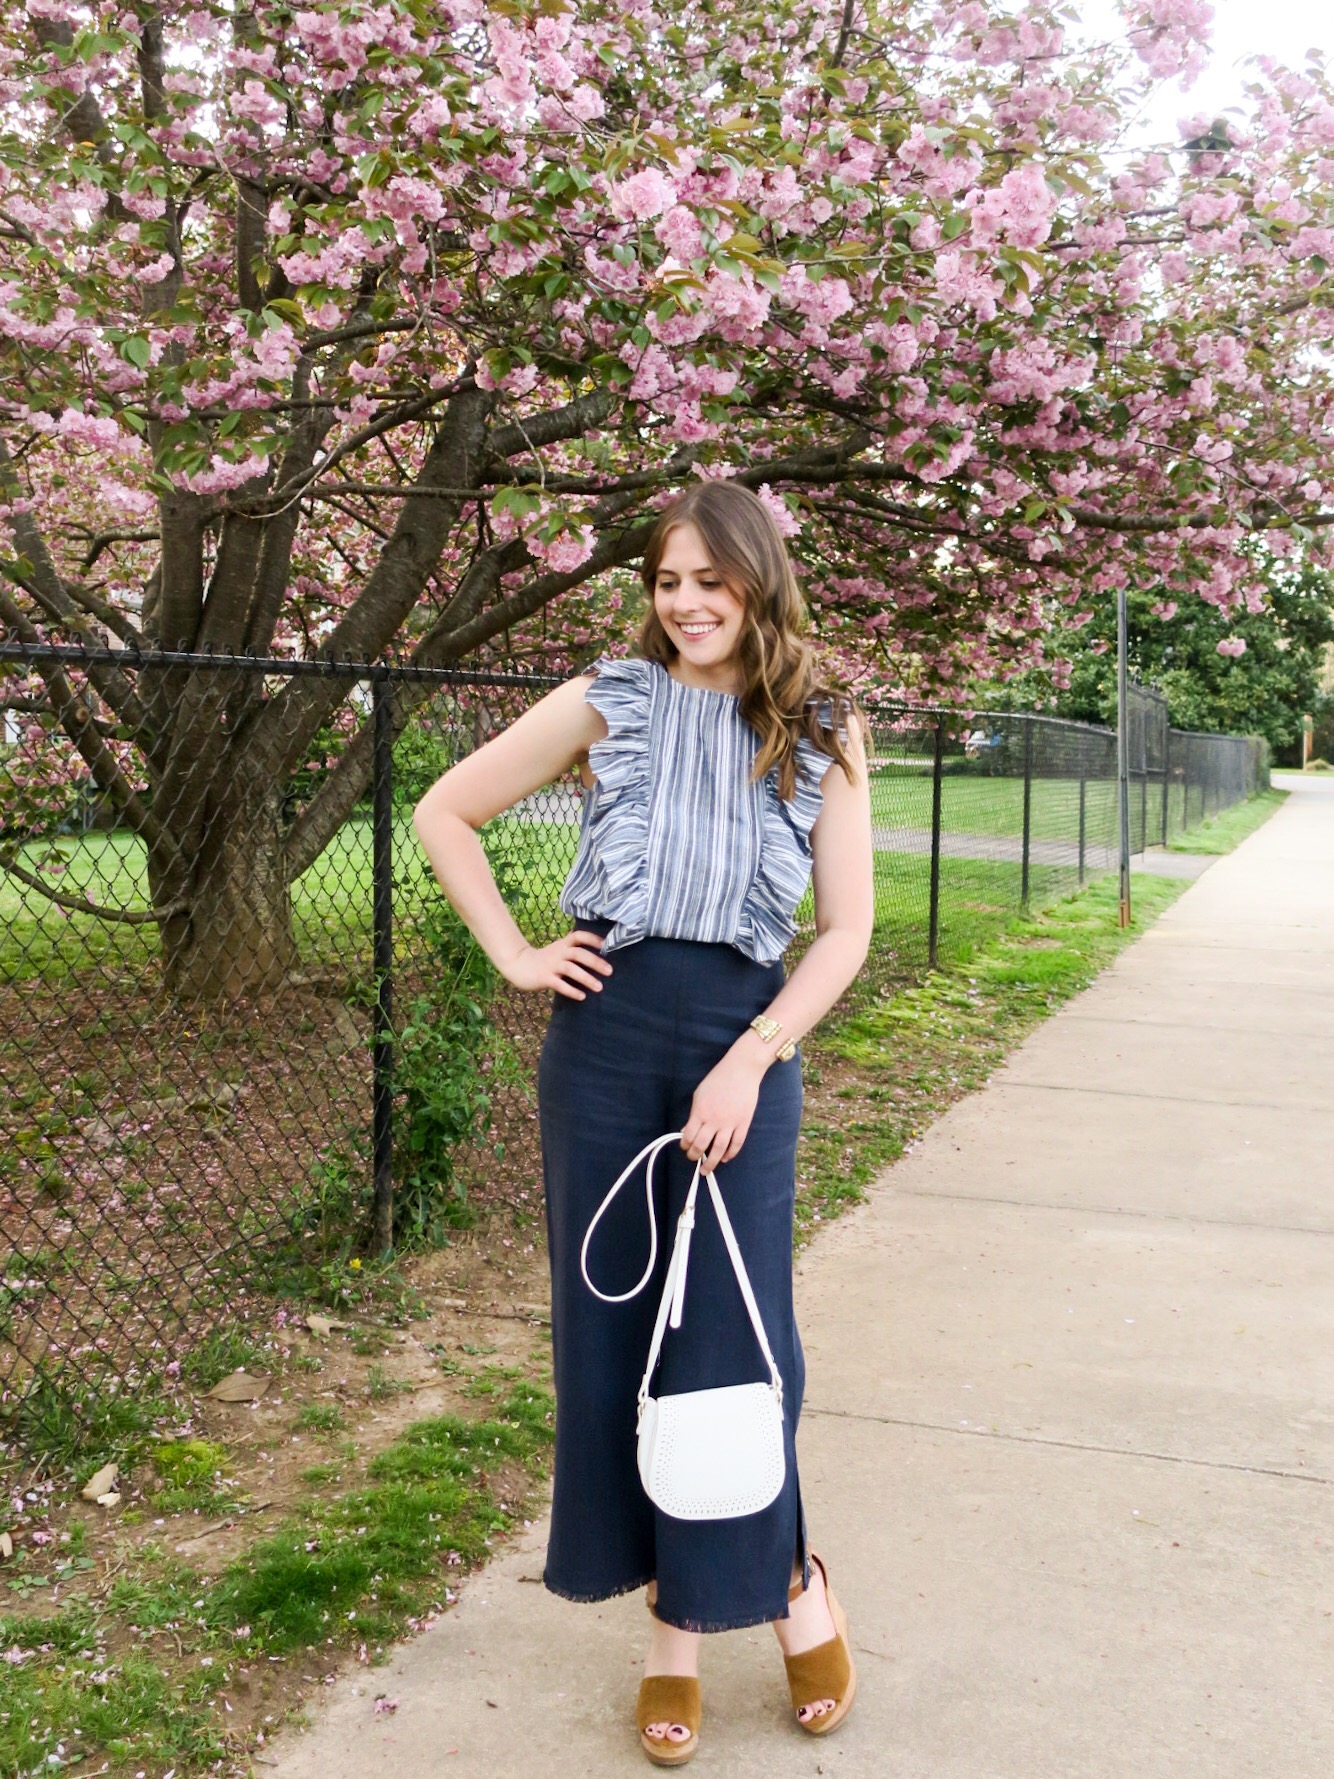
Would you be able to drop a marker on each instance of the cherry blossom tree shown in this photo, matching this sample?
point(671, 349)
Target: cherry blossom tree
point(350, 327)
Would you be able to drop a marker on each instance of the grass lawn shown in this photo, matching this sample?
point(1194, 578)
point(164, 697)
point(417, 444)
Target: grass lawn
point(1220, 833)
point(978, 804)
point(133, 1674)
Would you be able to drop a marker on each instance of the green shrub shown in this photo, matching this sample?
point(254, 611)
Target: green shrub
point(421, 755)
point(446, 1051)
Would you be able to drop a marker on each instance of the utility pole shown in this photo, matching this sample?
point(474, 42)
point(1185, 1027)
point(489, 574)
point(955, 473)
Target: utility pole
point(1123, 754)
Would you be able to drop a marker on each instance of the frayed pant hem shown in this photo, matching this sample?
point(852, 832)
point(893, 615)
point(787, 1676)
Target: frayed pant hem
point(585, 1599)
point(704, 1626)
point(709, 1627)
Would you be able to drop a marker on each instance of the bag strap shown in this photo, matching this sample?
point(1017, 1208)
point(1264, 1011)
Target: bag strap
point(673, 1294)
point(651, 1150)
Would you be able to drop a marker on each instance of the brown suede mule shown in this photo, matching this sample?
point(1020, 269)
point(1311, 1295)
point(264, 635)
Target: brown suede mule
point(668, 1698)
point(825, 1672)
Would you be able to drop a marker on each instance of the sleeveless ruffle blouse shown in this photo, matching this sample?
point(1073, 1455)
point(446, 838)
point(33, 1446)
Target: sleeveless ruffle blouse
point(675, 841)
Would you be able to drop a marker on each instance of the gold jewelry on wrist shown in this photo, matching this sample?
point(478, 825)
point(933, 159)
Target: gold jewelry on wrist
point(769, 1029)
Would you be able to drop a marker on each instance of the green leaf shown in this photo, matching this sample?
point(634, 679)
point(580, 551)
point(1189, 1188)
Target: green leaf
point(519, 501)
point(137, 351)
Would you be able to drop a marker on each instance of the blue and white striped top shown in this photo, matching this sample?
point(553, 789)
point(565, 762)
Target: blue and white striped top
point(675, 841)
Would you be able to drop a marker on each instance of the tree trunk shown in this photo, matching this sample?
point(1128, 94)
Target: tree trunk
point(236, 937)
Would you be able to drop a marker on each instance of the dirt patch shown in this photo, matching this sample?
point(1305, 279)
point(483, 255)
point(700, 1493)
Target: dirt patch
point(333, 1404)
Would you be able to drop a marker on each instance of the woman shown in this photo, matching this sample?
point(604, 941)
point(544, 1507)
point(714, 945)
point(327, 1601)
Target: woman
point(709, 802)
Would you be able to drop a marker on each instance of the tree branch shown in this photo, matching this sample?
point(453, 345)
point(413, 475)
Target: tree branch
point(45, 585)
point(82, 119)
point(101, 540)
point(79, 725)
point(251, 228)
point(1134, 524)
point(844, 32)
point(78, 905)
point(289, 492)
point(393, 586)
point(611, 552)
point(322, 817)
point(558, 423)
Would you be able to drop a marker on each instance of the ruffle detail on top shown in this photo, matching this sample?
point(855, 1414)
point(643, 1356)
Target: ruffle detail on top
point(617, 818)
point(784, 871)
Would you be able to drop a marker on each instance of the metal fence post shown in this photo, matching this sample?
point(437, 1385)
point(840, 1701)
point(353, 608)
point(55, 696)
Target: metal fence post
point(1144, 811)
point(937, 774)
point(382, 925)
point(1083, 813)
point(1028, 806)
point(1167, 779)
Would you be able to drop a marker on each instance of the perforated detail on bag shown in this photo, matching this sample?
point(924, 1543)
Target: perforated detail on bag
point(713, 1454)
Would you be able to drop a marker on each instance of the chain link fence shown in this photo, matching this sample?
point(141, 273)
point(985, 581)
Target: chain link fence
point(243, 1039)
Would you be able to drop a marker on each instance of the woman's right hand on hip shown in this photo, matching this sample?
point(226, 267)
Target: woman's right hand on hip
point(570, 965)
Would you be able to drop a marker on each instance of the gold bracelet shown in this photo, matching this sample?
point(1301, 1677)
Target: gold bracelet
point(769, 1029)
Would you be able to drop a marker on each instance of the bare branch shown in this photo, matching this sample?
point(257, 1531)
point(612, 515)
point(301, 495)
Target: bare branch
point(78, 905)
point(251, 227)
point(558, 423)
point(612, 552)
point(289, 491)
point(1137, 525)
point(101, 540)
point(60, 602)
point(78, 723)
point(358, 330)
point(844, 32)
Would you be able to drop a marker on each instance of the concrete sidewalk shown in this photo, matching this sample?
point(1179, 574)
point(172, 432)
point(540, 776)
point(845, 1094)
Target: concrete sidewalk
point(1069, 1440)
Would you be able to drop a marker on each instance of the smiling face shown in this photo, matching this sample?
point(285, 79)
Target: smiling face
point(701, 615)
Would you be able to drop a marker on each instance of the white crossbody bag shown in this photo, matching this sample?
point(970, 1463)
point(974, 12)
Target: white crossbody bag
point(703, 1454)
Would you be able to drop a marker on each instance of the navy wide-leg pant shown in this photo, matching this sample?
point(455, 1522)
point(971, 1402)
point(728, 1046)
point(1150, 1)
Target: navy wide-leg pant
point(618, 1069)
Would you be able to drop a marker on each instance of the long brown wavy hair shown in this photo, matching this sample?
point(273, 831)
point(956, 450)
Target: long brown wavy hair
point(782, 691)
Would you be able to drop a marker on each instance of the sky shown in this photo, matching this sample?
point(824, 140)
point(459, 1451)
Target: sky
point(1285, 29)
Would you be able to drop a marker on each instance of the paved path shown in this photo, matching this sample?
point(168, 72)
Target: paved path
point(1070, 1440)
point(1009, 849)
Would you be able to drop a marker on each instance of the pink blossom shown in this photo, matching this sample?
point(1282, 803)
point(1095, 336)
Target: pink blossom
point(586, 103)
point(432, 116)
point(643, 195)
point(680, 234)
point(1232, 646)
point(784, 517)
point(88, 429)
point(565, 552)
